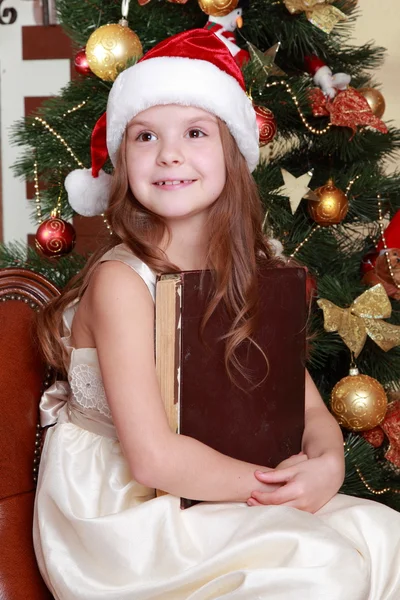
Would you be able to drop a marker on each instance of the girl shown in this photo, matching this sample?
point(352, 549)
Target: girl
point(183, 138)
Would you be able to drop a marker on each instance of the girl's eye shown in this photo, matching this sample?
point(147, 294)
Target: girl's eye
point(146, 136)
point(196, 133)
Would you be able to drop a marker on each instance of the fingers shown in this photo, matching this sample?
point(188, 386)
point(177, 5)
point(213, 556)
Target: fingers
point(253, 502)
point(284, 494)
point(275, 476)
point(292, 460)
point(296, 503)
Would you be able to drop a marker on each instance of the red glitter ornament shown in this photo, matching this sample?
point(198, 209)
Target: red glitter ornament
point(266, 124)
point(81, 63)
point(348, 109)
point(389, 429)
point(55, 237)
point(311, 288)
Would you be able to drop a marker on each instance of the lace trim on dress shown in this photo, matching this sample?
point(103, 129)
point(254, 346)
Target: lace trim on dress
point(88, 390)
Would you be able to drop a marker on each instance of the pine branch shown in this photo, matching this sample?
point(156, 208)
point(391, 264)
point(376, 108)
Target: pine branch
point(59, 271)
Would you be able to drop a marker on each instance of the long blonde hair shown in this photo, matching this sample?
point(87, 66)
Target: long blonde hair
point(236, 245)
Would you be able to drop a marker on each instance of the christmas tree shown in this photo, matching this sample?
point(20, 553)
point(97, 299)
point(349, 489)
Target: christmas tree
point(326, 195)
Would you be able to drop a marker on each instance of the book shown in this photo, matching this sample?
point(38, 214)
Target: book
point(263, 425)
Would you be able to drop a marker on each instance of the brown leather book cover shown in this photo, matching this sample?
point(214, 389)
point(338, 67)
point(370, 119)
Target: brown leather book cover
point(263, 425)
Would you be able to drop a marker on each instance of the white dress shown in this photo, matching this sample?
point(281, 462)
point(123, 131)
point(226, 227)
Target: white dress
point(100, 535)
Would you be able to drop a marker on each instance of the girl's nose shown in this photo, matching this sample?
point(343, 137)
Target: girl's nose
point(170, 154)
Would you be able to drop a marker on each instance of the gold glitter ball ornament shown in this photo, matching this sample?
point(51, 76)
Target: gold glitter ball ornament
point(358, 402)
point(331, 207)
point(110, 47)
point(218, 8)
point(375, 100)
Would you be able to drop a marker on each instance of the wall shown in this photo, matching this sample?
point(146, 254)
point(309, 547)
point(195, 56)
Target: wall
point(20, 79)
point(380, 21)
point(28, 78)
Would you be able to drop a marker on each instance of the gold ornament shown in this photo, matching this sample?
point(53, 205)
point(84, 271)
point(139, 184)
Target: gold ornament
point(218, 8)
point(358, 402)
point(332, 205)
point(263, 64)
point(363, 318)
point(319, 12)
point(110, 47)
point(375, 100)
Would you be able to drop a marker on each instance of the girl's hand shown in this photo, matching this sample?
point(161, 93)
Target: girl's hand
point(292, 461)
point(306, 485)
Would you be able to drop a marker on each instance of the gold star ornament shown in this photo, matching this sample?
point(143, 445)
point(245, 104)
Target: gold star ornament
point(263, 63)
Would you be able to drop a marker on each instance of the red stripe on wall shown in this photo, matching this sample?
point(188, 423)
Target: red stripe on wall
point(46, 43)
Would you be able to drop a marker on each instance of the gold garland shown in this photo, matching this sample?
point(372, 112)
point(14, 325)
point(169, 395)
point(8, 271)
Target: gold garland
point(374, 491)
point(39, 215)
point(306, 239)
point(297, 104)
point(350, 184)
point(69, 149)
point(60, 138)
point(386, 253)
point(75, 108)
point(57, 210)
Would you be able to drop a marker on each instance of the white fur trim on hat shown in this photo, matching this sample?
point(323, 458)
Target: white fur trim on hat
point(188, 82)
point(88, 195)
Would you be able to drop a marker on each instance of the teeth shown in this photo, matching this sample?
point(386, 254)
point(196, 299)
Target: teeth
point(175, 182)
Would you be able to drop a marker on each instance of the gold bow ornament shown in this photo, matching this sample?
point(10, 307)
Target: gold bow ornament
point(319, 12)
point(364, 317)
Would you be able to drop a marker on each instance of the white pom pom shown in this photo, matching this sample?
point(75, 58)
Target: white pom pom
point(341, 80)
point(88, 195)
point(323, 78)
point(276, 246)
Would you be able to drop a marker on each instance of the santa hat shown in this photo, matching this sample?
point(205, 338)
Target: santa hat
point(392, 239)
point(316, 68)
point(313, 64)
point(391, 234)
point(193, 68)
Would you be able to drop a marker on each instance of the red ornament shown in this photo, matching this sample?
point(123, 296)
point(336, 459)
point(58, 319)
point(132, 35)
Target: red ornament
point(374, 436)
point(348, 109)
point(389, 429)
point(311, 288)
point(383, 264)
point(368, 262)
point(55, 237)
point(81, 63)
point(266, 124)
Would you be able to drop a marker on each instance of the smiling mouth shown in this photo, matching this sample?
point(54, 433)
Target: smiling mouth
point(170, 183)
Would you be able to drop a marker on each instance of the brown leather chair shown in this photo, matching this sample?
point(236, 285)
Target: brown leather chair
point(23, 376)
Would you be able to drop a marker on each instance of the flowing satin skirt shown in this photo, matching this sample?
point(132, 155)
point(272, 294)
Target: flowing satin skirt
point(99, 535)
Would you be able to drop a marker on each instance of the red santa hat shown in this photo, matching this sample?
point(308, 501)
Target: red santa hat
point(392, 239)
point(313, 64)
point(193, 68)
point(391, 234)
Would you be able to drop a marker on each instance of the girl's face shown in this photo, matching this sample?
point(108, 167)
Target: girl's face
point(175, 160)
